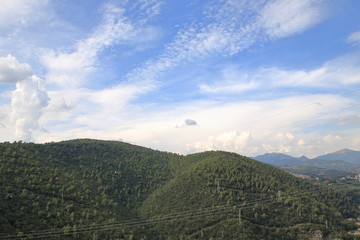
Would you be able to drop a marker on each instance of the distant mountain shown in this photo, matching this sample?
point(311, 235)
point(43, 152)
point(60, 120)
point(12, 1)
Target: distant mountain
point(280, 159)
point(346, 155)
point(344, 160)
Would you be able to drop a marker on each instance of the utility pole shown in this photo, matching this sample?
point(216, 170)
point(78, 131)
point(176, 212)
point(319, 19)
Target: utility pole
point(218, 186)
point(240, 216)
point(279, 195)
point(326, 224)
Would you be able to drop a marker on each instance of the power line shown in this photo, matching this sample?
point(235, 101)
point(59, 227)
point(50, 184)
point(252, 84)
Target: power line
point(146, 221)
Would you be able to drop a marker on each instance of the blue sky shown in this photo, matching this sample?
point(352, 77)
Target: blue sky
point(183, 76)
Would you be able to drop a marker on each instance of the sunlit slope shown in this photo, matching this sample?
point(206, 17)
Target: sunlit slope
point(231, 196)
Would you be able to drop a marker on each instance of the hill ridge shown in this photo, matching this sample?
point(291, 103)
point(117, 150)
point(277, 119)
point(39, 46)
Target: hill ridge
point(77, 183)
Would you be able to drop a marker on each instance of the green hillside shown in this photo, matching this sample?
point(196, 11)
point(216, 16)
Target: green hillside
point(91, 189)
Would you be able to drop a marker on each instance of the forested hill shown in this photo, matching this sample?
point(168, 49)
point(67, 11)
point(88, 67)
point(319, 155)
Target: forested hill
point(91, 189)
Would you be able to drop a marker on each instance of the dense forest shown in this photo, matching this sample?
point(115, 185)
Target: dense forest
point(92, 189)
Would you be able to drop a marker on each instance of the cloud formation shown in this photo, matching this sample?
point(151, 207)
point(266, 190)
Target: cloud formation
point(14, 12)
point(281, 18)
point(232, 27)
point(72, 68)
point(341, 71)
point(28, 101)
point(151, 84)
point(230, 141)
point(190, 122)
point(12, 71)
point(354, 38)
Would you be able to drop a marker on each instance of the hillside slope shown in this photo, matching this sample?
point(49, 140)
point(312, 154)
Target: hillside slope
point(225, 195)
point(91, 189)
point(76, 183)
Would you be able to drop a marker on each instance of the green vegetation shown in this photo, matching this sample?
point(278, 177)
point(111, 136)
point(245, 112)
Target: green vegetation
point(317, 172)
point(90, 189)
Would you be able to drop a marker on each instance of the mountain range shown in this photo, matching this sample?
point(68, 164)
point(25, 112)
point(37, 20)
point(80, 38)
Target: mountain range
point(344, 159)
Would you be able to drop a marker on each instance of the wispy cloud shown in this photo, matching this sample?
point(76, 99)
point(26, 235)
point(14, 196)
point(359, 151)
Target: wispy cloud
point(72, 68)
point(339, 72)
point(354, 38)
point(231, 27)
point(18, 12)
point(281, 18)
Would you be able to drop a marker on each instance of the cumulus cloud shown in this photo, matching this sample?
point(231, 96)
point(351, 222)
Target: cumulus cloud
point(230, 141)
point(28, 101)
point(301, 142)
point(12, 71)
point(354, 38)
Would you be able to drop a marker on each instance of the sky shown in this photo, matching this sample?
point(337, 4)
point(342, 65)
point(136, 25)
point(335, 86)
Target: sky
point(249, 77)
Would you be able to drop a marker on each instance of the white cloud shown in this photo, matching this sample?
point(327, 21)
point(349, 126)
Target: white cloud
point(284, 137)
point(71, 69)
point(232, 27)
point(301, 142)
point(341, 71)
point(250, 128)
point(150, 8)
point(231, 81)
point(28, 101)
point(12, 71)
point(229, 87)
point(228, 28)
point(281, 18)
point(18, 12)
point(344, 70)
point(230, 141)
point(332, 138)
point(354, 38)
